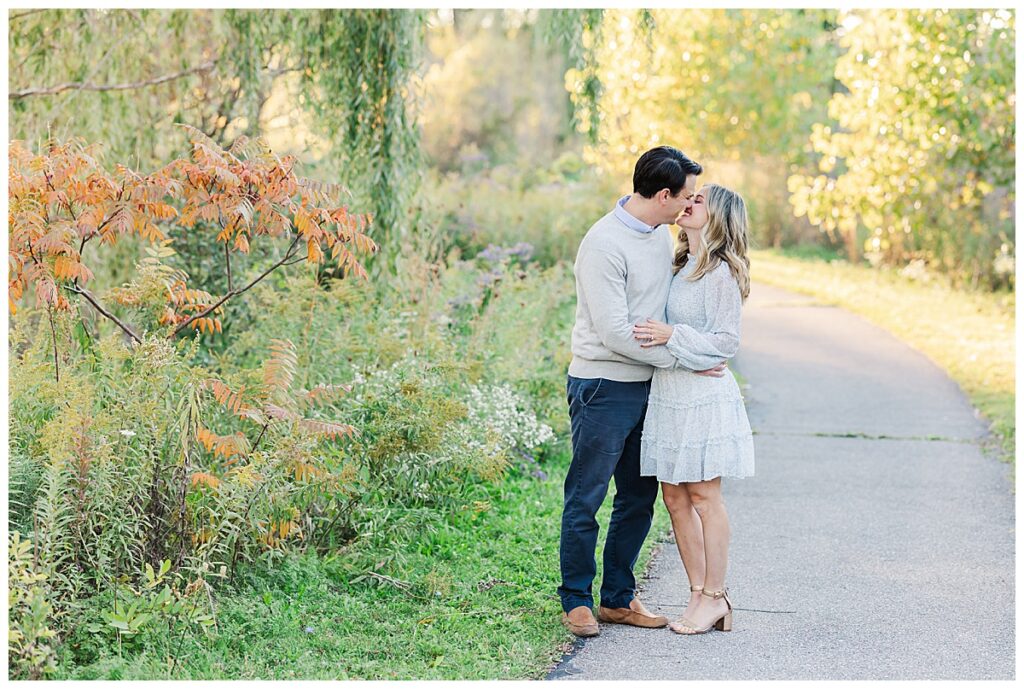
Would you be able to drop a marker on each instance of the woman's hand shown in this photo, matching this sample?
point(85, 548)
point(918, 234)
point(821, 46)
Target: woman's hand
point(652, 333)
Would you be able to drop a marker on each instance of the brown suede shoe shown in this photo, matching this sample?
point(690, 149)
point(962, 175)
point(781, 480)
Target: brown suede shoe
point(636, 614)
point(580, 621)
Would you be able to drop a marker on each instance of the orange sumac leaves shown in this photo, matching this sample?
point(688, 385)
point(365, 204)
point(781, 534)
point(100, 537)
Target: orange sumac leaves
point(323, 393)
point(226, 396)
point(273, 405)
point(305, 471)
point(202, 478)
point(223, 445)
point(62, 197)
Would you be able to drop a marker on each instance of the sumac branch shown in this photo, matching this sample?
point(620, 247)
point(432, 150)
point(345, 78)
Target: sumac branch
point(63, 198)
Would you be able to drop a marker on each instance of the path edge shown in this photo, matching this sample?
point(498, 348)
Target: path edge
point(572, 648)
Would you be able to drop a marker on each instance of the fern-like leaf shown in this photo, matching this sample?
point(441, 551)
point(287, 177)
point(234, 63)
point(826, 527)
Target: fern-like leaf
point(229, 398)
point(212, 148)
point(280, 413)
point(327, 429)
point(323, 393)
point(324, 192)
point(279, 370)
point(205, 479)
point(223, 445)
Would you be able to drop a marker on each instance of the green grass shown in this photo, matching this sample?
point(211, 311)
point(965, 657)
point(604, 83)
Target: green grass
point(477, 600)
point(968, 334)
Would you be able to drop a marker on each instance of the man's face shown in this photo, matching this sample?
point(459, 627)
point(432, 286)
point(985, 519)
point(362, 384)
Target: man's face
point(681, 203)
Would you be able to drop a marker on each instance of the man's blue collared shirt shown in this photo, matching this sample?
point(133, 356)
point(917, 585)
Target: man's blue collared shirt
point(629, 220)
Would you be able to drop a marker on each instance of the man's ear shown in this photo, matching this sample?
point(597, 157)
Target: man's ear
point(664, 194)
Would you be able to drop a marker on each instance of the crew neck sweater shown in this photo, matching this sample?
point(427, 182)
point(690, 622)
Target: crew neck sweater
point(622, 278)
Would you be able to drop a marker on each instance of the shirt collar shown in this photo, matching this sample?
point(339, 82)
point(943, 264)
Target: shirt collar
point(629, 220)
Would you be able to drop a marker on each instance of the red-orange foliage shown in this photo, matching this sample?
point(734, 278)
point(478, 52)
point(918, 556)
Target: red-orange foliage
point(257, 407)
point(63, 198)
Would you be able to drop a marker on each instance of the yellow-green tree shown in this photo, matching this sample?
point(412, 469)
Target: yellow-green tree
point(918, 161)
point(722, 85)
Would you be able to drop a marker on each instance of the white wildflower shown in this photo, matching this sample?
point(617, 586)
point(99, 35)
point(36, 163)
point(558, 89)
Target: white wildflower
point(503, 411)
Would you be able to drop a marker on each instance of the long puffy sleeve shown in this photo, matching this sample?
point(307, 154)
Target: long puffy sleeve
point(602, 277)
point(700, 350)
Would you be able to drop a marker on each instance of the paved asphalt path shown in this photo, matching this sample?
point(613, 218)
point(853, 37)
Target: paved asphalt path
point(876, 540)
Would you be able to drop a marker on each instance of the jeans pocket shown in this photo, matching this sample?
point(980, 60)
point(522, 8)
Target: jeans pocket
point(589, 391)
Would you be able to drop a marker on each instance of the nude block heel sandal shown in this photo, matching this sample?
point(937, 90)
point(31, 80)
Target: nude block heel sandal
point(724, 623)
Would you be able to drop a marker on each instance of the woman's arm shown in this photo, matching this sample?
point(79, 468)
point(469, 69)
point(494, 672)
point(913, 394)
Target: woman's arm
point(696, 349)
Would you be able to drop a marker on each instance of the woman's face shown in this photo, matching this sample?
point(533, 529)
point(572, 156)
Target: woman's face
point(698, 216)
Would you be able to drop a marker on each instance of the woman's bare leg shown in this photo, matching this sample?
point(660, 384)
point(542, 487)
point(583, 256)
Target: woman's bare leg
point(686, 526)
point(706, 497)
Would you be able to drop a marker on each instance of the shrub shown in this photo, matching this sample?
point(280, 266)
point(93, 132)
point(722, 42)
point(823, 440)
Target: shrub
point(549, 209)
point(30, 655)
point(340, 417)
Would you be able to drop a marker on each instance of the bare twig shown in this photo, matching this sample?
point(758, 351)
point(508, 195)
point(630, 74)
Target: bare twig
point(82, 86)
point(92, 300)
point(227, 259)
point(475, 613)
point(259, 438)
point(284, 70)
point(53, 331)
point(22, 15)
point(235, 292)
point(181, 636)
point(383, 578)
point(298, 260)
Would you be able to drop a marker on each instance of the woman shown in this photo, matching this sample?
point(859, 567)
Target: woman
point(696, 429)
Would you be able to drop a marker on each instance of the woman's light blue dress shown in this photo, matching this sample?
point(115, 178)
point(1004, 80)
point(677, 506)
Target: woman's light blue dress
point(696, 427)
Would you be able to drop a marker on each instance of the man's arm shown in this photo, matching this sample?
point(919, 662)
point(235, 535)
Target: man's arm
point(602, 279)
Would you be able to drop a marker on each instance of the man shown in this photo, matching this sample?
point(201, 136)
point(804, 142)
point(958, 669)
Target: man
point(623, 272)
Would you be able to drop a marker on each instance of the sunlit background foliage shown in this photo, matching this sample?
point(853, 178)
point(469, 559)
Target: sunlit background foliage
point(483, 143)
point(886, 134)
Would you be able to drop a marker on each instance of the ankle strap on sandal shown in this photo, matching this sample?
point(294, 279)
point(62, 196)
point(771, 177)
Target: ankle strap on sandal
point(697, 588)
point(715, 594)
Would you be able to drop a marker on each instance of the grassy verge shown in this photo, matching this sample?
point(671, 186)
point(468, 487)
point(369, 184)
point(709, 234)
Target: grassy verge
point(970, 335)
point(474, 599)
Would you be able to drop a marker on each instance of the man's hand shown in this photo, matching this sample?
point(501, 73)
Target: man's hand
point(716, 372)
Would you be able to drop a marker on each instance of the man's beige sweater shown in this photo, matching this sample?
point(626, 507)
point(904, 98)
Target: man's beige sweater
point(622, 278)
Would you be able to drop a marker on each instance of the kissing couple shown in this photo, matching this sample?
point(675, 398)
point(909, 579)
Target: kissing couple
point(651, 399)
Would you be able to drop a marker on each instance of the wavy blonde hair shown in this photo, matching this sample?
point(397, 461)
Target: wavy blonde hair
point(724, 238)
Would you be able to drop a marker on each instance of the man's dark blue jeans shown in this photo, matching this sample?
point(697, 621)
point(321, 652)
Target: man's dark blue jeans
point(607, 420)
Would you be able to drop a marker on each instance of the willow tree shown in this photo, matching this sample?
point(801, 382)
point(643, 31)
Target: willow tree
point(735, 88)
point(918, 158)
point(578, 34)
point(719, 83)
point(126, 77)
point(359, 65)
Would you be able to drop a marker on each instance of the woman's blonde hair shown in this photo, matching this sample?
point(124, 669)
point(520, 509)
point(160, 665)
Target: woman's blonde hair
point(724, 238)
